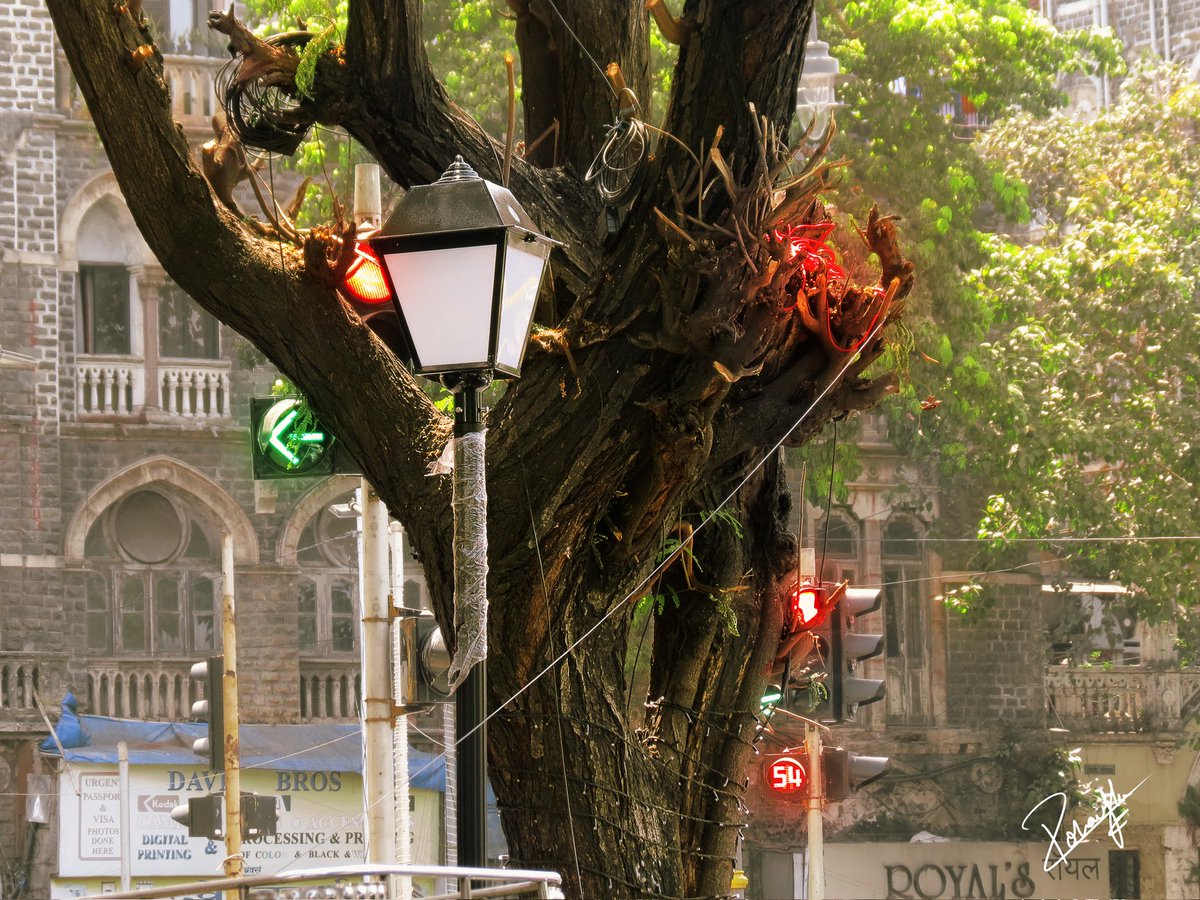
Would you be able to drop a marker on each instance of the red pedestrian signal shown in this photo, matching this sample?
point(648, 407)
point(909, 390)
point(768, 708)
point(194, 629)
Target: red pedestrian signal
point(365, 287)
point(807, 607)
point(364, 279)
point(786, 776)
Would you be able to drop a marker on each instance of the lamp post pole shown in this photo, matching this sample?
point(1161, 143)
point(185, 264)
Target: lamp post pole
point(466, 245)
point(470, 578)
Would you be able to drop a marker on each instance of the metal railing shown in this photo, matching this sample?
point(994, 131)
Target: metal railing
point(361, 882)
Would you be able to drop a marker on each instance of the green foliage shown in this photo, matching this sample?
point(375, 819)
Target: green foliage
point(910, 62)
point(322, 42)
point(965, 601)
point(1082, 401)
point(679, 549)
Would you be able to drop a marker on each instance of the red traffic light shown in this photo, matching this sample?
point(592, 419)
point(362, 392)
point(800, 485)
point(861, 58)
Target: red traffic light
point(807, 606)
point(364, 279)
point(786, 776)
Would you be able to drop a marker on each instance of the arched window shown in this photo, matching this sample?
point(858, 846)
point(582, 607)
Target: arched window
point(151, 580)
point(327, 595)
point(107, 317)
point(906, 620)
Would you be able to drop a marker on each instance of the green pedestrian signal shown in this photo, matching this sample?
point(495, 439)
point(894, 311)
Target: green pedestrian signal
point(287, 443)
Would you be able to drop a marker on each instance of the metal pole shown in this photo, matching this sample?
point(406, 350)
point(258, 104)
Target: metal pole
point(123, 778)
point(816, 799)
point(229, 697)
point(373, 580)
point(470, 700)
point(400, 733)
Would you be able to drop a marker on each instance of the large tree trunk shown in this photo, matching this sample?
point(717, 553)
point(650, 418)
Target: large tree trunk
point(679, 363)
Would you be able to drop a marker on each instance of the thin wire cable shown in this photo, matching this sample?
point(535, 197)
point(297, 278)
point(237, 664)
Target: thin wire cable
point(586, 53)
point(537, 547)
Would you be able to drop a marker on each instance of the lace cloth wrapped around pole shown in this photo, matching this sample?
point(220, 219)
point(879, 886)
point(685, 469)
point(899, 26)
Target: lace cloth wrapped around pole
point(470, 556)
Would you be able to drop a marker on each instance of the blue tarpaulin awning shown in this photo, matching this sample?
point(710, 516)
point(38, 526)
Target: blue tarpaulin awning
point(284, 748)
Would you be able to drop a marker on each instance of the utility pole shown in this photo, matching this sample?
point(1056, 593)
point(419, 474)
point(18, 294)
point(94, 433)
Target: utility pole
point(229, 696)
point(379, 772)
point(816, 800)
point(123, 775)
point(400, 734)
point(374, 583)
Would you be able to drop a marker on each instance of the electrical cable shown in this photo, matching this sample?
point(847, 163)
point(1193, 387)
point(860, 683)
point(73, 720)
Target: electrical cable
point(537, 547)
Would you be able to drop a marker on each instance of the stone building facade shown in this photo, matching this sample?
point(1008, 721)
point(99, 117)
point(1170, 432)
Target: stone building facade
point(123, 412)
point(125, 455)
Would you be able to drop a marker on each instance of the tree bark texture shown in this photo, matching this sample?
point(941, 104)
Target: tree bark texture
point(678, 353)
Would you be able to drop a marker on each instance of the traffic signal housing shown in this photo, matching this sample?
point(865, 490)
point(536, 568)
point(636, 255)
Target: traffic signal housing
point(366, 290)
point(844, 650)
point(201, 816)
point(212, 710)
point(205, 816)
point(846, 771)
point(424, 662)
point(849, 691)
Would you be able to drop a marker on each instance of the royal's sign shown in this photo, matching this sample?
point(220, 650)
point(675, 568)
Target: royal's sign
point(955, 870)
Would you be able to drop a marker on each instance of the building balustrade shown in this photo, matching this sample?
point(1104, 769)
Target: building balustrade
point(195, 390)
point(109, 386)
point(117, 387)
point(192, 81)
point(27, 677)
point(1127, 700)
point(329, 691)
point(142, 689)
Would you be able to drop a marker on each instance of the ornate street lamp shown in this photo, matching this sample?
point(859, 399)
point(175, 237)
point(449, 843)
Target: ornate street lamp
point(464, 262)
point(815, 98)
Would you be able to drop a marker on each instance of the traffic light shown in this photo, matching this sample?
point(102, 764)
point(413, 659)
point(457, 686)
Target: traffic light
point(286, 443)
point(845, 771)
point(424, 662)
point(212, 710)
point(847, 691)
point(204, 816)
point(201, 816)
point(366, 290)
point(260, 815)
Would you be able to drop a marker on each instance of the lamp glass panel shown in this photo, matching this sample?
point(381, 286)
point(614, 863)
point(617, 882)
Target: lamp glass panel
point(445, 297)
point(522, 276)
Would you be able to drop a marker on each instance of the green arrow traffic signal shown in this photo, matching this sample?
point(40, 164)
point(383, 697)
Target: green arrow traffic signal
point(284, 444)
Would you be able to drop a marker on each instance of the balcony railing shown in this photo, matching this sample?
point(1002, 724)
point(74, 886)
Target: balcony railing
point(142, 689)
point(109, 386)
point(116, 386)
point(191, 79)
point(1129, 700)
point(22, 675)
point(329, 691)
point(195, 390)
